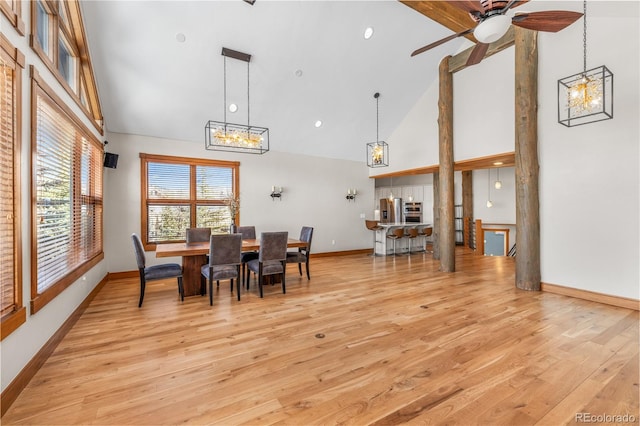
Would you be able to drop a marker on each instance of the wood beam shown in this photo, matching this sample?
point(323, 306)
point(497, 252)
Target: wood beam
point(527, 167)
point(454, 18)
point(467, 203)
point(435, 238)
point(447, 237)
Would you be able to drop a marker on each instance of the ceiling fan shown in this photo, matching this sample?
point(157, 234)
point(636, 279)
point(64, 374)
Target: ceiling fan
point(493, 23)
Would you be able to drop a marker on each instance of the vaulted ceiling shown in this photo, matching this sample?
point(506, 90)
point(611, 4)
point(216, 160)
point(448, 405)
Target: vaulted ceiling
point(160, 71)
point(152, 84)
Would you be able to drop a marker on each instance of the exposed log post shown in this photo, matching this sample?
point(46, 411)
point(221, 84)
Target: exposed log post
point(435, 237)
point(527, 167)
point(467, 203)
point(447, 236)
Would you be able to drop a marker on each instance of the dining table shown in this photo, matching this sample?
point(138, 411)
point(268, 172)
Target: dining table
point(194, 255)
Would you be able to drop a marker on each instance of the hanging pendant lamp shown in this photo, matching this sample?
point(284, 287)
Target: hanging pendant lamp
point(225, 136)
point(585, 97)
point(377, 152)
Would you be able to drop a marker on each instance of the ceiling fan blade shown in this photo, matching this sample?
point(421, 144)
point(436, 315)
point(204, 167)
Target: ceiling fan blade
point(550, 20)
point(439, 42)
point(477, 54)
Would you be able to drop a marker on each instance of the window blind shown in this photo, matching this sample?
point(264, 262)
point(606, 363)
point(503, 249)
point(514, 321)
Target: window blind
point(7, 153)
point(183, 193)
point(68, 195)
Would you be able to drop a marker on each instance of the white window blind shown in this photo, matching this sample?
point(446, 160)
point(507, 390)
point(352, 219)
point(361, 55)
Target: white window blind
point(68, 198)
point(184, 193)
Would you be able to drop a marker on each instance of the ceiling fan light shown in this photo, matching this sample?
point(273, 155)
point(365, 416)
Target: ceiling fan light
point(491, 29)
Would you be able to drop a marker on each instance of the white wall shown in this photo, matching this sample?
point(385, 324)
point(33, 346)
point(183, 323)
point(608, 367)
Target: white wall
point(314, 191)
point(19, 347)
point(589, 182)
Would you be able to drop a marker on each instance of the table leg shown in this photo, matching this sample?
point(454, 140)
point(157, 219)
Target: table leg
point(191, 273)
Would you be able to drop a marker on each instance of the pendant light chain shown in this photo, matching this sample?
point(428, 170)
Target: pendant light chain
point(584, 36)
point(248, 104)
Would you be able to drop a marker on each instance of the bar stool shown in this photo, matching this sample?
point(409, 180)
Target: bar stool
point(372, 225)
point(412, 234)
point(426, 233)
point(395, 234)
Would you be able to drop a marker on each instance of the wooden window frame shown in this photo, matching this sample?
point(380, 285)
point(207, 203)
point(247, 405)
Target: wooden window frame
point(12, 320)
point(145, 159)
point(75, 39)
point(12, 9)
point(39, 300)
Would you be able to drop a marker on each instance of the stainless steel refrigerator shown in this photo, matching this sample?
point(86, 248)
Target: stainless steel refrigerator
point(391, 210)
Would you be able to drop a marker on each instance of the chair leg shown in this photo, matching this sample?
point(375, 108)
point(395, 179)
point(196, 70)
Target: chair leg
point(306, 264)
point(181, 289)
point(260, 282)
point(210, 292)
point(142, 286)
point(284, 273)
point(238, 283)
point(203, 285)
point(300, 268)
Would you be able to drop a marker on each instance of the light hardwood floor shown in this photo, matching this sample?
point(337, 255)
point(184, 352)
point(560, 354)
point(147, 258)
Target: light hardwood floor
point(403, 343)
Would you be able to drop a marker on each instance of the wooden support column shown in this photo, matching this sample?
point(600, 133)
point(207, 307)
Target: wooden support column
point(467, 204)
point(527, 167)
point(436, 216)
point(447, 237)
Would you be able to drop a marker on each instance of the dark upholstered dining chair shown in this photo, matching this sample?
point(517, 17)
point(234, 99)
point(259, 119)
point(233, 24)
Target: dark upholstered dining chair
point(302, 255)
point(272, 258)
point(248, 233)
point(224, 262)
point(198, 235)
point(155, 272)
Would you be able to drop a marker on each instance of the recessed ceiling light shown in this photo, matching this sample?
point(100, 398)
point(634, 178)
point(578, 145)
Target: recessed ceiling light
point(498, 163)
point(318, 123)
point(298, 73)
point(233, 107)
point(368, 33)
point(180, 37)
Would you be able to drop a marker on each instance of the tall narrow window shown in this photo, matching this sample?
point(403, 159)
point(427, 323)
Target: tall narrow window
point(181, 193)
point(13, 313)
point(67, 62)
point(67, 188)
point(42, 27)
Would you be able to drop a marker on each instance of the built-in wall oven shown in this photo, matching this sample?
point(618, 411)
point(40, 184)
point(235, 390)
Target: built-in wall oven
point(413, 212)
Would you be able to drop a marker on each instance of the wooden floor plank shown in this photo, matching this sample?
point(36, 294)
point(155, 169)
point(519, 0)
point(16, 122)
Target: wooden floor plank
point(368, 340)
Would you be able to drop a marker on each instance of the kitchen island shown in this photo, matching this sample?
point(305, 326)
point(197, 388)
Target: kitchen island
point(384, 245)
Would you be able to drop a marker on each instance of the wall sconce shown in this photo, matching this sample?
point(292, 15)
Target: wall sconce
point(351, 194)
point(276, 192)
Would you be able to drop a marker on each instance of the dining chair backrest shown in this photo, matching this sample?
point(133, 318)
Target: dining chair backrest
point(248, 232)
point(140, 257)
point(273, 246)
point(198, 235)
point(225, 249)
point(306, 234)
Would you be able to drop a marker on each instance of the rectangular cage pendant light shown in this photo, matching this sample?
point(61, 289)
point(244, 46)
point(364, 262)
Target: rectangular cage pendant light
point(377, 154)
point(233, 137)
point(585, 97)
